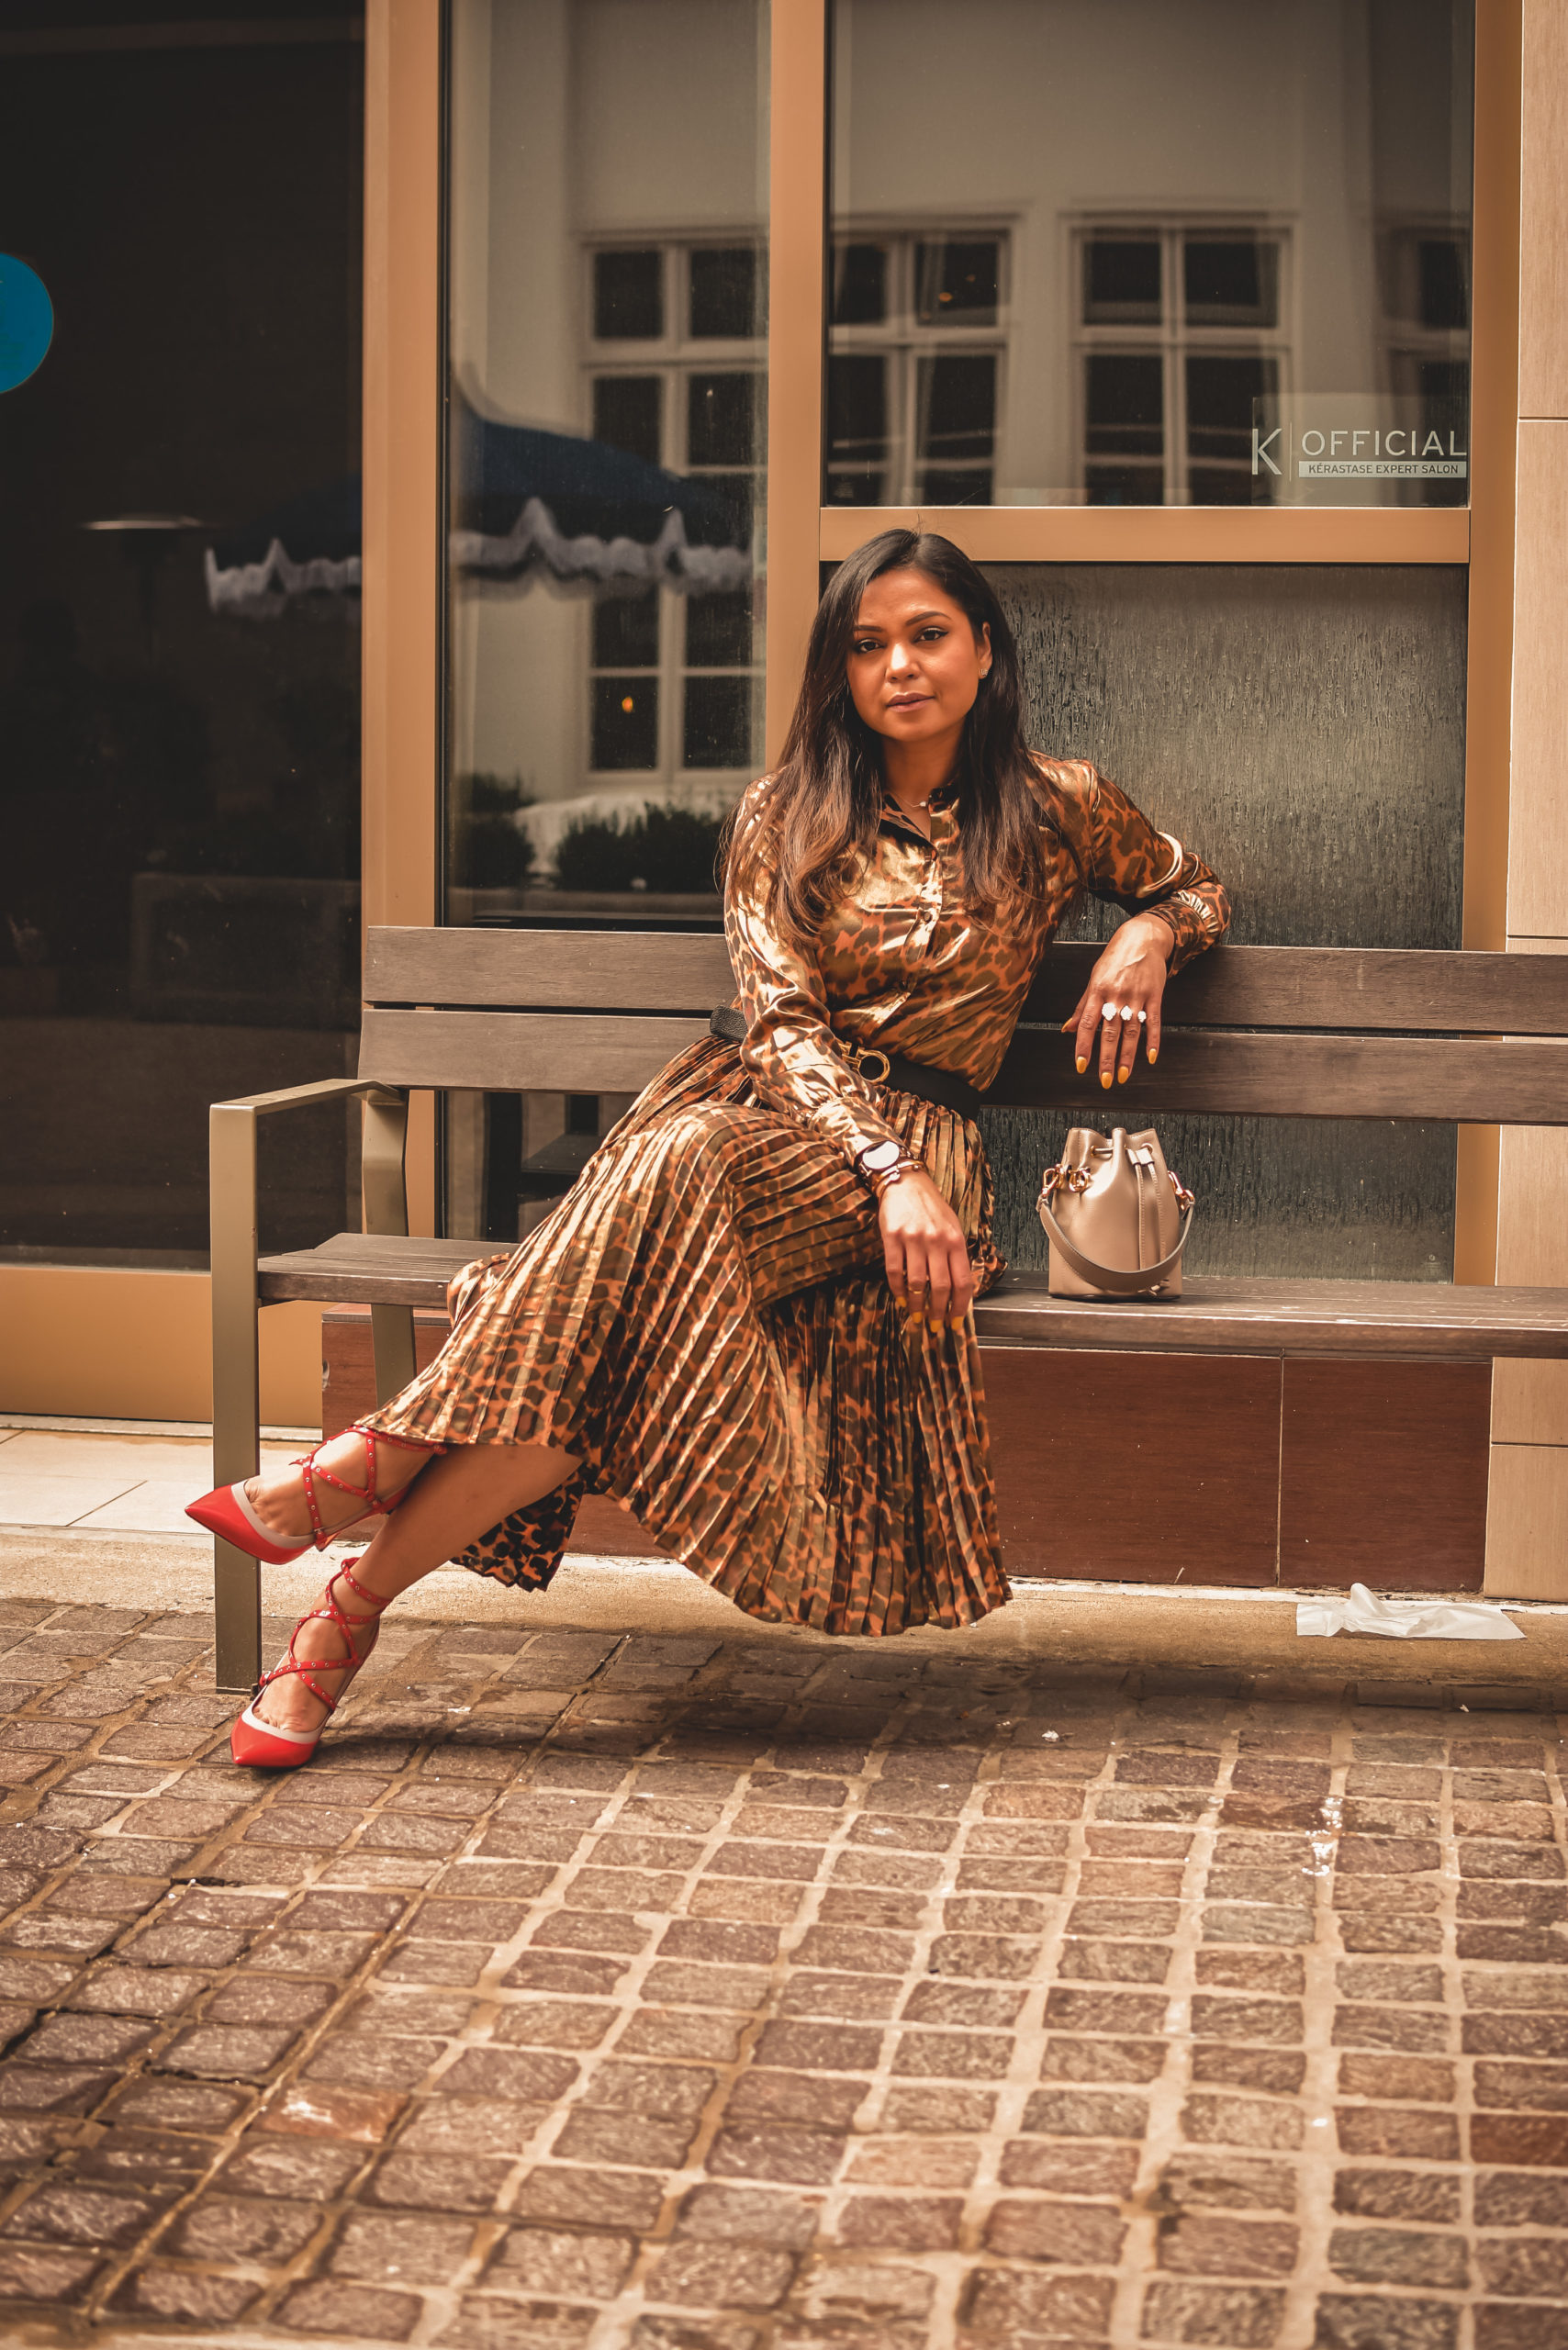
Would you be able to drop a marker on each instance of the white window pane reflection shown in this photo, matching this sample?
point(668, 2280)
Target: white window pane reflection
point(1236, 195)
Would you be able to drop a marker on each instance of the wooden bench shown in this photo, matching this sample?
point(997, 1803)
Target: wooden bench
point(1277, 1032)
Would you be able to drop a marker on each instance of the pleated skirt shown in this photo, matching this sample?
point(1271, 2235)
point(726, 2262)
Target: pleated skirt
point(705, 1325)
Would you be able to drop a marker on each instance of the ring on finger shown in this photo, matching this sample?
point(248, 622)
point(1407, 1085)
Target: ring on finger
point(1108, 1012)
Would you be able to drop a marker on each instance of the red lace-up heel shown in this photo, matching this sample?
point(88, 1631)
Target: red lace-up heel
point(228, 1511)
point(256, 1744)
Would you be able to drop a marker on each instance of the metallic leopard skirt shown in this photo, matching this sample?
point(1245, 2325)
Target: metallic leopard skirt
point(703, 1321)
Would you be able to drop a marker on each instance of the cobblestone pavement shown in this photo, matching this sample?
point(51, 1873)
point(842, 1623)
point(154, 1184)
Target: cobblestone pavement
point(776, 1994)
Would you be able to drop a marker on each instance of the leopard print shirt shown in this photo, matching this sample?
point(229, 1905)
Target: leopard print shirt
point(904, 965)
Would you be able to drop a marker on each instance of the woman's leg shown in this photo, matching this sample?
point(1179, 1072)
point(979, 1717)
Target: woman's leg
point(459, 1496)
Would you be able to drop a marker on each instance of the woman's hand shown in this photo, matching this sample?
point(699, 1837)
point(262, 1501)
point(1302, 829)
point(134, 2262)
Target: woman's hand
point(1123, 999)
point(925, 1253)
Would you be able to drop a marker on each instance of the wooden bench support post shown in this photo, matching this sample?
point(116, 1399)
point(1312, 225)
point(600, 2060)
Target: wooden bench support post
point(235, 1381)
point(387, 1211)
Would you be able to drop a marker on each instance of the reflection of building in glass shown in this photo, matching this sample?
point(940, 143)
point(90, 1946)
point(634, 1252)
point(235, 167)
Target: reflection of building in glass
point(676, 377)
point(1426, 302)
point(607, 280)
point(1180, 329)
point(916, 365)
point(1166, 214)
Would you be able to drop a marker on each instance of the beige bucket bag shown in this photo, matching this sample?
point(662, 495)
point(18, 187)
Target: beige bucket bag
point(1117, 1218)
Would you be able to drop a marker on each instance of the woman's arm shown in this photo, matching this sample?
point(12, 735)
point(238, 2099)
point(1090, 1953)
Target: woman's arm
point(796, 1062)
point(1176, 907)
point(791, 1053)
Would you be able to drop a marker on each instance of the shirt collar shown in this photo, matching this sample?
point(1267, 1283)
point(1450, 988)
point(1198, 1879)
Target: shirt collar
point(941, 803)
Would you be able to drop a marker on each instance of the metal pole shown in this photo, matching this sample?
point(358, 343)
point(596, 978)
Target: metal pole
point(235, 1381)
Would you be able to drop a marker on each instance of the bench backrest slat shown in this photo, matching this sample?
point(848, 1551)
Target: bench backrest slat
point(1510, 1081)
point(522, 1052)
point(1361, 991)
point(574, 970)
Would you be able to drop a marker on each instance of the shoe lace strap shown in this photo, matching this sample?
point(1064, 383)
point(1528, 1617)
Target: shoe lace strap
point(329, 1612)
point(366, 1493)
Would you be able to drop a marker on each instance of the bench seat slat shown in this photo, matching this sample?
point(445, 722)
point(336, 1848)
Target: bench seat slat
point(1428, 1319)
point(1334, 988)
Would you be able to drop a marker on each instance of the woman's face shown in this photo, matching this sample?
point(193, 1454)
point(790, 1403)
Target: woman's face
point(914, 662)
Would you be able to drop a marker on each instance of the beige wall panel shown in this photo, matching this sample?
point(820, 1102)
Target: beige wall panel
point(1543, 213)
point(1538, 811)
point(95, 1342)
point(1529, 1403)
point(1529, 1400)
point(1527, 1522)
point(1532, 1224)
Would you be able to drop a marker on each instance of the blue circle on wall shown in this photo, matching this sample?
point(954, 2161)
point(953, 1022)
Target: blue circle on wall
point(27, 321)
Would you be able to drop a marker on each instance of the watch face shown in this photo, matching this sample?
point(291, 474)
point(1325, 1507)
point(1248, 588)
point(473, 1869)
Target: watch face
point(880, 1155)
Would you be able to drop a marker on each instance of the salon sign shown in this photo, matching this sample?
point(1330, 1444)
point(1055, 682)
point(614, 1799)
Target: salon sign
point(1340, 442)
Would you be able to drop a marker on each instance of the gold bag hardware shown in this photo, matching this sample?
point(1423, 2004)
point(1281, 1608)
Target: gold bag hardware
point(1115, 1217)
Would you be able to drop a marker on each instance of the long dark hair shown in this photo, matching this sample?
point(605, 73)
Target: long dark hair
point(818, 819)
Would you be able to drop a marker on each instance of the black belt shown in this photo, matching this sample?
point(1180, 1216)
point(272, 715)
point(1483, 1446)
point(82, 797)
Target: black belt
point(938, 1085)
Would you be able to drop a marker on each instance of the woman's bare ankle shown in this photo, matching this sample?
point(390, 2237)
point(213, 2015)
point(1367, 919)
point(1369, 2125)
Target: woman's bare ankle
point(288, 1703)
point(281, 1504)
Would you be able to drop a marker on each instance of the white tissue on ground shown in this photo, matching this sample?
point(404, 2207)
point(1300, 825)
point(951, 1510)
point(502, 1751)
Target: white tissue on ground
point(1402, 1619)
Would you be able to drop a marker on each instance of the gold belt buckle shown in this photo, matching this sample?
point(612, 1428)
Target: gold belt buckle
point(864, 1056)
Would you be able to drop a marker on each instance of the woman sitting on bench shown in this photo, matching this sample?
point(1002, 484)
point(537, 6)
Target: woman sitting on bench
point(749, 1321)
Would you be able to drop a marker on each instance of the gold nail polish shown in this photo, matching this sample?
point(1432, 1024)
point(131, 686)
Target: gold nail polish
point(1105, 1080)
point(1082, 1067)
point(1123, 1075)
point(1152, 1059)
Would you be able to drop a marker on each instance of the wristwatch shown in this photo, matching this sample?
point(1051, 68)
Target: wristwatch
point(883, 1163)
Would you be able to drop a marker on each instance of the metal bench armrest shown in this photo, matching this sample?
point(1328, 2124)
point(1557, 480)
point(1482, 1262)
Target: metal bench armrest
point(236, 1376)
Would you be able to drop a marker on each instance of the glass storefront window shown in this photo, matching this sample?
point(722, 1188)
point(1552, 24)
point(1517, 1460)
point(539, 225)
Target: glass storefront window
point(606, 339)
point(179, 621)
point(1212, 253)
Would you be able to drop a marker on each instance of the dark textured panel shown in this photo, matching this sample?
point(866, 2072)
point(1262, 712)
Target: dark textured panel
point(1151, 1469)
point(1302, 727)
point(1383, 1474)
point(1277, 1197)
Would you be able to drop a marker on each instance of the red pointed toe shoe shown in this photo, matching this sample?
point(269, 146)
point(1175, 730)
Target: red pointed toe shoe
point(259, 1745)
point(228, 1511)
